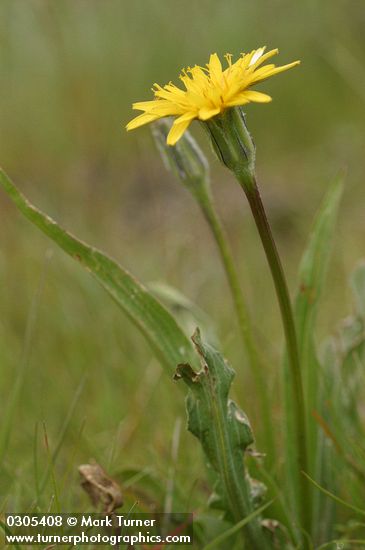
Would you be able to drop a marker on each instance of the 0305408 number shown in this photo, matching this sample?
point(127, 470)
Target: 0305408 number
point(31, 520)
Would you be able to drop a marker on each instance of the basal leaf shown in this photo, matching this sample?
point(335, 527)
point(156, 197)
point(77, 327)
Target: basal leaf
point(224, 433)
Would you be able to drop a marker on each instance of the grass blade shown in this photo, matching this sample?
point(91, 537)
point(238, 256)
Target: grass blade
point(53, 456)
point(334, 497)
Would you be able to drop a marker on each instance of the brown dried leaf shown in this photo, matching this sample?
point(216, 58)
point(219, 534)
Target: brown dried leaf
point(103, 491)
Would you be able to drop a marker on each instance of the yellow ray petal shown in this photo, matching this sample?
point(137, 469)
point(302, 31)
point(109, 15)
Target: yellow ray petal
point(257, 97)
point(239, 99)
point(206, 113)
point(159, 107)
point(178, 128)
point(261, 71)
point(146, 105)
point(266, 56)
point(140, 120)
point(215, 68)
point(278, 70)
point(247, 96)
point(169, 93)
point(271, 71)
point(256, 56)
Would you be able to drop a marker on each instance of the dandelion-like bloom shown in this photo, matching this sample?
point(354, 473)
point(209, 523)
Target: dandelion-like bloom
point(208, 91)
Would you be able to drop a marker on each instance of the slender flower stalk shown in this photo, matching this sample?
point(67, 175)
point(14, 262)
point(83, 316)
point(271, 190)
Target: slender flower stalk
point(297, 400)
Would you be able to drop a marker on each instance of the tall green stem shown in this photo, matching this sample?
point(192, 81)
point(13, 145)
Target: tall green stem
point(298, 403)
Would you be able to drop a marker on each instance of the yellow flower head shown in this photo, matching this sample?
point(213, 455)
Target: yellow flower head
point(208, 91)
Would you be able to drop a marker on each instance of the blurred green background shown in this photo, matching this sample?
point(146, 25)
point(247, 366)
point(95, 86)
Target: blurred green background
point(69, 72)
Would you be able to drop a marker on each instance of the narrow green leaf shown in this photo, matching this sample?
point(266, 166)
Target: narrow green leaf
point(224, 433)
point(312, 275)
point(160, 329)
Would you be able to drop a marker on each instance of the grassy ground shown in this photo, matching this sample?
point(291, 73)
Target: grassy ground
point(70, 362)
